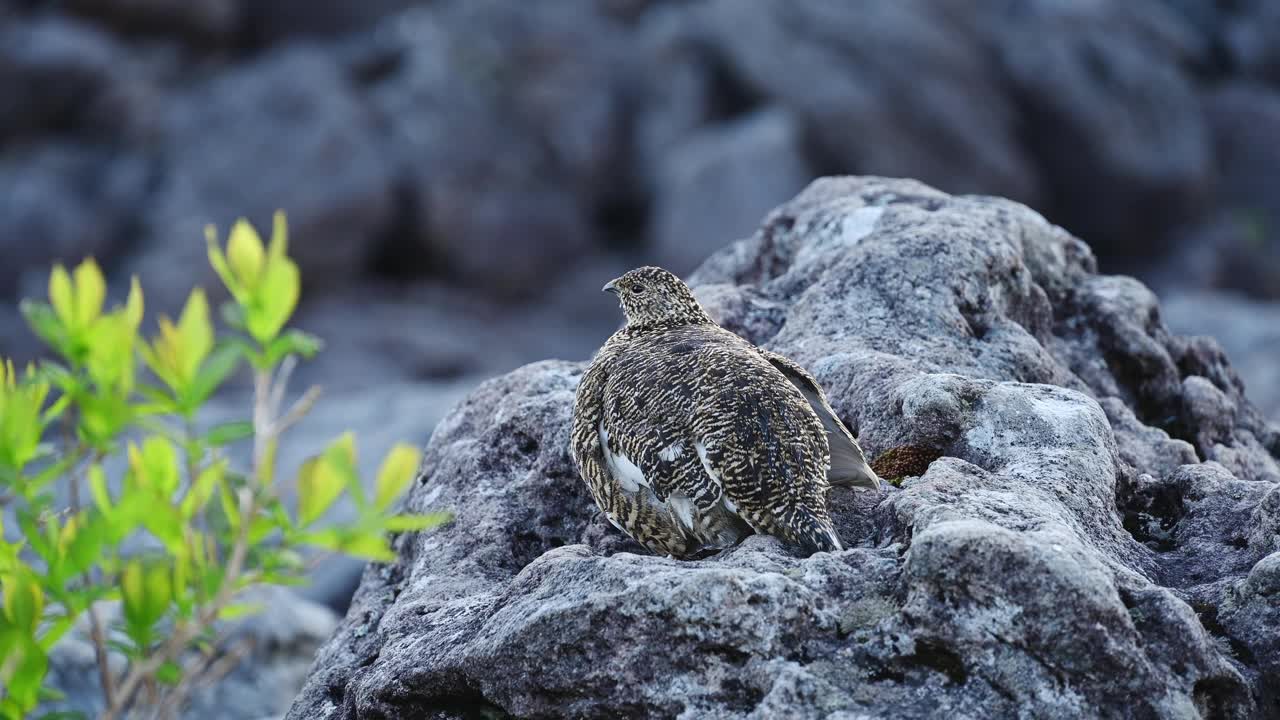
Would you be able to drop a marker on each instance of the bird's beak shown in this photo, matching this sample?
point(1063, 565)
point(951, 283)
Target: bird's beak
point(610, 287)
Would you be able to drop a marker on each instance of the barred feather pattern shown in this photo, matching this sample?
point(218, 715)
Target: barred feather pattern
point(690, 438)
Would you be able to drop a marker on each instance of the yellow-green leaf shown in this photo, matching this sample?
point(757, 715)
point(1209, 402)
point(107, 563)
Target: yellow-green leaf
point(396, 473)
point(235, 611)
point(23, 602)
point(133, 593)
point(159, 591)
point(245, 253)
point(279, 247)
point(195, 333)
point(90, 292)
point(202, 489)
point(62, 297)
point(278, 291)
point(156, 465)
point(98, 488)
point(406, 523)
point(220, 266)
point(133, 307)
point(319, 485)
point(370, 546)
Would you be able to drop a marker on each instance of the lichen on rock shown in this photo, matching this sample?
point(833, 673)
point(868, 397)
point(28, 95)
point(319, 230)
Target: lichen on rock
point(1097, 536)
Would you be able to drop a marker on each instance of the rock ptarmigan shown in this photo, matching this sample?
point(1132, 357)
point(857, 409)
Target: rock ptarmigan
point(691, 438)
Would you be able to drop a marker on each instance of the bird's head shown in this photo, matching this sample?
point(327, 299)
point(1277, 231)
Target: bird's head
point(653, 297)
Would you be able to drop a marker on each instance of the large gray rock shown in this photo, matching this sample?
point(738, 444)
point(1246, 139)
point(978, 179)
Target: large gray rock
point(60, 75)
point(63, 203)
point(712, 188)
point(898, 96)
point(1066, 554)
point(287, 131)
point(506, 122)
point(1249, 330)
point(1082, 109)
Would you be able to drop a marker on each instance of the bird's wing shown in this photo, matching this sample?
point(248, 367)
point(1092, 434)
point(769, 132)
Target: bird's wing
point(649, 449)
point(848, 465)
point(636, 513)
point(764, 446)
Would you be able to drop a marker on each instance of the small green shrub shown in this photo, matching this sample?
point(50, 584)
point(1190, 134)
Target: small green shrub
point(199, 529)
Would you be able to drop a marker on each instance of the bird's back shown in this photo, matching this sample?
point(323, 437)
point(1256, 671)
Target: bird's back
point(711, 420)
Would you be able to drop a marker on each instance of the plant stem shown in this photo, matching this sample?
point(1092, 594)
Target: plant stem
point(96, 633)
point(264, 430)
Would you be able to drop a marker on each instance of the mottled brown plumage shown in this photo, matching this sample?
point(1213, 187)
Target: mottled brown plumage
point(690, 437)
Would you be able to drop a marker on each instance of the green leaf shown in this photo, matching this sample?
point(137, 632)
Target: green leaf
point(23, 602)
point(212, 373)
point(245, 253)
point(22, 671)
point(395, 474)
point(370, 546)
point(44, 321)
point(235, 611)
point(62, 297)
point(98, 488)
point(155, 466)
point(405, 523)
point(169, 673)
point(279, 247)
point(230, 506)
point(133, 593)
point(102, 417)
point(90, 292)
point(110, 358)
point(293, 342)
point(146, 593)
point(341, 456)
point(133, 307)
point(202, 489)
point(159, 591)
point(319, 485)
point(219, 262)
point(84, 547)
point(195, 333)
point(279, 288)
point(229, 432)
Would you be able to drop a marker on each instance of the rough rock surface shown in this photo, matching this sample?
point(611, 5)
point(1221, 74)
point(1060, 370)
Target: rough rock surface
point(1249, 330)
point(1097, 538)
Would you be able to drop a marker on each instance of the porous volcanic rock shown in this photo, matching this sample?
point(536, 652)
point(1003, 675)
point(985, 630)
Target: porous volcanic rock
point(1097, 537)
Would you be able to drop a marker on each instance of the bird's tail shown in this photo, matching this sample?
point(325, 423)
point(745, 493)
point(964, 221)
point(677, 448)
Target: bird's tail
point(817, 535)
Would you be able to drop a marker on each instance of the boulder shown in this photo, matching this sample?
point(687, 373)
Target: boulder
point(1249, 330)
point(63, 202)
point(200, 22)
point(64, 75)
point(713, 187)
point(286, 131)
point(506, 123)
point(1088, 529)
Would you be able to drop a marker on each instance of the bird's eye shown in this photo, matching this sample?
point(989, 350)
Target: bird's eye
point(637, 289)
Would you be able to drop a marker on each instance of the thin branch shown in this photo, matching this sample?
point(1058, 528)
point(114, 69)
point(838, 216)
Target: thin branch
point(207, 670)
point(96, 633)
point(100, 654)
point(282, 383)
point(298, 410)
point(184, 632)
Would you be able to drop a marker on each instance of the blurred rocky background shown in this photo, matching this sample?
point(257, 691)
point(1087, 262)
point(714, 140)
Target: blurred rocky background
point(461, 176)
